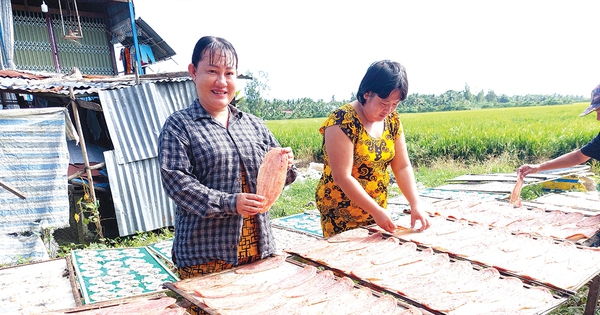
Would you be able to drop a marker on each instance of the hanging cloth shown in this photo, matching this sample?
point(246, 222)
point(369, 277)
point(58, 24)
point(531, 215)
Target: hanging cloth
point(146, 54)
point(6, 35)
point(126, 60)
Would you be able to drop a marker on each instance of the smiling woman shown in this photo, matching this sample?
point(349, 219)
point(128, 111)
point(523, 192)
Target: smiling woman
point(214, 75)
point(209, 157)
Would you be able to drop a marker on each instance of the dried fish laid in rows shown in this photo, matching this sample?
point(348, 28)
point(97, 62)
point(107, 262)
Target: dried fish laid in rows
point(559, 264)
point(346, 253)
point(272, 286)
point(572, 226)
point(431, 279)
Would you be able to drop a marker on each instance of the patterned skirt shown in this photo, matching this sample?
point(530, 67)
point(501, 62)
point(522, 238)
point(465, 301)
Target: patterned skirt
point(247, 253)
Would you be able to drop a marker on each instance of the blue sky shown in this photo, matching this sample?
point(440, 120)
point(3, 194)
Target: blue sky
point(320, 49)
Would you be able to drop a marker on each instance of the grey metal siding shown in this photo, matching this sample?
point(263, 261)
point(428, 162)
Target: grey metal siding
point(134, 117)
point(140, 203)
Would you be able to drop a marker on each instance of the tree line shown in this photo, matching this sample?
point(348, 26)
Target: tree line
point(276, 109)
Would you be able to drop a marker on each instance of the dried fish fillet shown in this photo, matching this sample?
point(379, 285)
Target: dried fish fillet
point(271, 176)
point(515, 195)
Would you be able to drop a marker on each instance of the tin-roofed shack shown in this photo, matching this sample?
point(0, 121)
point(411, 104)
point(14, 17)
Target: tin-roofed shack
point(63, 62)
point(117, 123)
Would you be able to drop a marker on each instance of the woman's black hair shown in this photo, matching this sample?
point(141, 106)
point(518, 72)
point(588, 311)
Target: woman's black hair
point(215, 45)
point(382, 78)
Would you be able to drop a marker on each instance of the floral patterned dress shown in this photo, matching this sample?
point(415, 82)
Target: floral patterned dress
point(372, 156)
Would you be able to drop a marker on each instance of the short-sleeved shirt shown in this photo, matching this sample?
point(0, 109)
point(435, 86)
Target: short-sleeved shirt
point(592, 148)
point(371, 158)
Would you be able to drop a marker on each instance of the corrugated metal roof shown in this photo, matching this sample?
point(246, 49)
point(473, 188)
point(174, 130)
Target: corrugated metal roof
point(134, 117)
point(58, 84)
point(147, 36)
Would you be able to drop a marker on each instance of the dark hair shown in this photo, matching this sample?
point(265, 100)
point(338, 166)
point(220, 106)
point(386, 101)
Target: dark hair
point(382, 78)
point(214, 45)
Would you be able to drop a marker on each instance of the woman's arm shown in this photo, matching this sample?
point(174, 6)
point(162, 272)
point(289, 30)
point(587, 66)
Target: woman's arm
point(405, 178)
point(566, 160)
point(340, 151)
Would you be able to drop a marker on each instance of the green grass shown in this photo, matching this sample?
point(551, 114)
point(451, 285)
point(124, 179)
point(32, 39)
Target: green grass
point(296, 198)
point(526, 134)
point(575, 304)
point(444, 145)
point(302, 135)
point(139, 239)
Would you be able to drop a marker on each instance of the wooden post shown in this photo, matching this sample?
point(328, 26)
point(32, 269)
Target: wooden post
point(82, 144)
point(94, 167)
point(88, 169)
point(12, 189)
point(592, 299)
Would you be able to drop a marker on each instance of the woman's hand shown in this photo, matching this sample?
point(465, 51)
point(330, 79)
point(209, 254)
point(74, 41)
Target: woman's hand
point(527, 169)
point(249, 204)
point(417, 215)
point(384, 220)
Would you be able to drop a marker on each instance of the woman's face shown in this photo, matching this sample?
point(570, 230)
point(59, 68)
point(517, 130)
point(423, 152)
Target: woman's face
point(215, 81)
point(377, 108)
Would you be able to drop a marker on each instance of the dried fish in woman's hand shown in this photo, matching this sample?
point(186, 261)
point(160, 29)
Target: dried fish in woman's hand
point(515, 195)
point(271, 176)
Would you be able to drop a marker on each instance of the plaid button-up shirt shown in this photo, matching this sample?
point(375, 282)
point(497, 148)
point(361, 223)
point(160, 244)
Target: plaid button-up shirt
point(201, 167)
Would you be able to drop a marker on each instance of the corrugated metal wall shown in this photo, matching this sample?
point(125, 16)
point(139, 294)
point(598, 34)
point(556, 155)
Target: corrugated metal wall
point(91, 54)
point(134, 117)
point(139, 200)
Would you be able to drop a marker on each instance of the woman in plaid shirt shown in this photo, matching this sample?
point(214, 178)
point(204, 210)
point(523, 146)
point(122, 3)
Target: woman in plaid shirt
point(209, 155)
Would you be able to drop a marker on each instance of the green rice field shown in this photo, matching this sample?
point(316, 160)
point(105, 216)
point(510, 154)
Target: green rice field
point(524, 134)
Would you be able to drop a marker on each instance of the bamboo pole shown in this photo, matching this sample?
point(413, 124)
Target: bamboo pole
point(82, 144)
